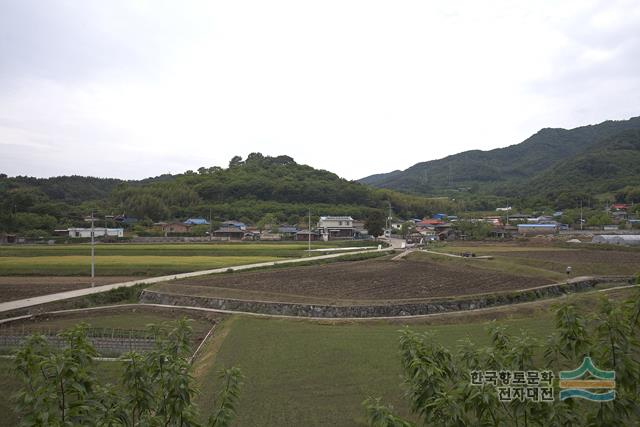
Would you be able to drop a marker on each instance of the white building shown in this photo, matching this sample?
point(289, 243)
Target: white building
point(336, 227)
point(97, 232)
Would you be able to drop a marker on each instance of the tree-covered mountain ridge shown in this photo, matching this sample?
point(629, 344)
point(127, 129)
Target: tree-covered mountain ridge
point(247, 190)
point(507, 170)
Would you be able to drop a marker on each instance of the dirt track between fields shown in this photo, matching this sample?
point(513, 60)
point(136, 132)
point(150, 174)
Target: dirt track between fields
point(14, 288)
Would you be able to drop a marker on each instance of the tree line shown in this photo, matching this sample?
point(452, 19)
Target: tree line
point(246, 190)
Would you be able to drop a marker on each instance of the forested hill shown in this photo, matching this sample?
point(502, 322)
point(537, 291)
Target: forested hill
point(610, 166)
point(246, 190)
point(502, 168)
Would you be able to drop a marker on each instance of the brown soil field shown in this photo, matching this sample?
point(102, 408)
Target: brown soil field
point(583, 262)
point(19, 287)
point(375, 280)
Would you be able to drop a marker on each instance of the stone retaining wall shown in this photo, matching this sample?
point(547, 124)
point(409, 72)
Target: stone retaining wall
point(363, 311)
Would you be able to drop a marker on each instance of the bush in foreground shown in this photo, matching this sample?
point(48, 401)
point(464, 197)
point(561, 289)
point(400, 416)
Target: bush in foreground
point(439, 388)
point(157, 388)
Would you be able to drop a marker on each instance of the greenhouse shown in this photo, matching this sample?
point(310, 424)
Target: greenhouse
point(614, 239)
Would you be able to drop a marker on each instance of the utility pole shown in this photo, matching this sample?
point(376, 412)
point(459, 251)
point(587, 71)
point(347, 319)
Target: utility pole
point(210, 225)
point(581, 221)
point(508, 208)
point(93, 249)
point(309, 235)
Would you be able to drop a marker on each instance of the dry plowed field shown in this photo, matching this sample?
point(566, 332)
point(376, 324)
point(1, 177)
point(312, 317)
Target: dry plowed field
point(375, 280)
point(583, 262)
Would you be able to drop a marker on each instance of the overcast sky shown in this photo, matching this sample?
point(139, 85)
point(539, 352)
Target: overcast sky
point(132, 89)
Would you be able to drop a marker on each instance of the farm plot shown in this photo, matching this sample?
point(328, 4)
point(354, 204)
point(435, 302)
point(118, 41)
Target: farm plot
point(117, 265)
point(545, 258)
point(305, 373)
point(362, 281)
point(127, 318)
point(20, 287)
point(582, 261)
point(112, 330)
point(146, 259)
point(280, 249)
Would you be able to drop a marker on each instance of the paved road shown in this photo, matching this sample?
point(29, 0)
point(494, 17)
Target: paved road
point(30, 302)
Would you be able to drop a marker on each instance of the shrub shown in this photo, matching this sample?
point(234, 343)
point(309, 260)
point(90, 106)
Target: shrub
point(60, 385)
point(440, 391)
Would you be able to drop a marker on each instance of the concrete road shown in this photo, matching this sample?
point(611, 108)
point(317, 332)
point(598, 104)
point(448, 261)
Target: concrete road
point(30, 302)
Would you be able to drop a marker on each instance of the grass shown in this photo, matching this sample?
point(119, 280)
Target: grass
point(318, 373)
point(120, 265)
point(305, 373)
point(301, 372)
point(149, 259)
point(281, 249)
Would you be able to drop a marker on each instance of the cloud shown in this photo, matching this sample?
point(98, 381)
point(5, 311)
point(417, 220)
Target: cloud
point(136, 89)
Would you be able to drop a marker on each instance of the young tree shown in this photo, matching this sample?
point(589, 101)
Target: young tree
point(407, 227)
point(375, 223)
point(60, 386)
point(269, 221)
point(440, 391)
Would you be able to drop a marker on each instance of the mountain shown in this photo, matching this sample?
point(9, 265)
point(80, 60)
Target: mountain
point(501, 170)
point(605, 167)
point(246, 190)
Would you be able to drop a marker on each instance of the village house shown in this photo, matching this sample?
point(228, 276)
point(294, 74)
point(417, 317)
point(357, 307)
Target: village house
point(196, 221)
point(336, 227)
point(237, 224)
point(79, 233)
point(619, 207)
point(125, 220)
point(496, 221)
point(230, 233)
point(287, 231)
point(172, 227)
point(303, 235)
point(537, 229)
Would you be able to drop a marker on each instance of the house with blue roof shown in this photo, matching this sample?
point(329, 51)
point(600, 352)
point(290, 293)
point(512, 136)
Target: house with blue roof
point(237, 224)
point(196, 221)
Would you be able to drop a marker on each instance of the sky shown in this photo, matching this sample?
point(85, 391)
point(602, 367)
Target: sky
point(132, 89)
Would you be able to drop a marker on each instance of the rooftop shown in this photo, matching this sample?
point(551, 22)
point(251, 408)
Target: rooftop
point(336, 218)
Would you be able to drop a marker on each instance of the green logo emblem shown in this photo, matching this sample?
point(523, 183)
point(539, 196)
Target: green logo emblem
point(573, 386)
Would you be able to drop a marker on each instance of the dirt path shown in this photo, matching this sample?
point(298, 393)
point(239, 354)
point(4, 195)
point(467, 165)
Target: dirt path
point(19, 287)
point(44, 299)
